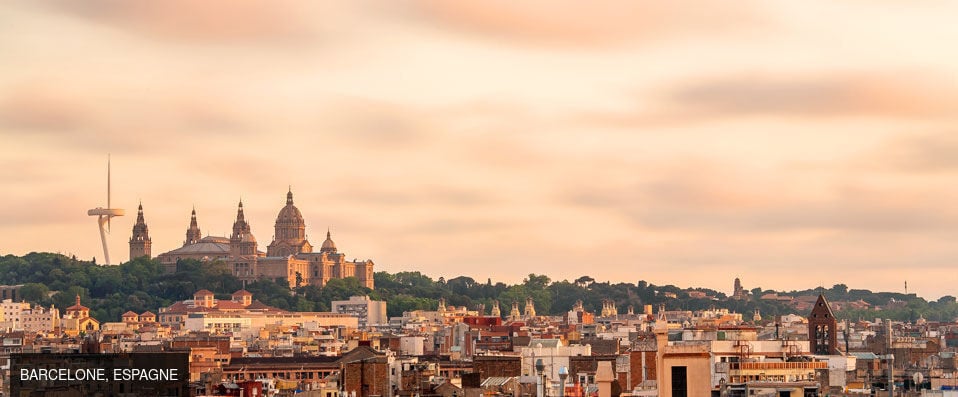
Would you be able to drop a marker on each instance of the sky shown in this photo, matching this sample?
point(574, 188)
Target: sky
point(791, 144)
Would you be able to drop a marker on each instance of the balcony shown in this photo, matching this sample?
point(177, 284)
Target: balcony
point(750, 366)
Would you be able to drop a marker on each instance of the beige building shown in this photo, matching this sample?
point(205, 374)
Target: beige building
point(250, 323)
point(241, 314)
point(553, 353)
point(368, 311)
point(22, 316)
point(731, 361)
point(681, 369)
point(289, 257)
point(40, 319)
point(11, 315)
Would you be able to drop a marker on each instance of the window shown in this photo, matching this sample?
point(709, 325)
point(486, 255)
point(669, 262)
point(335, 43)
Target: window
point(680, 381)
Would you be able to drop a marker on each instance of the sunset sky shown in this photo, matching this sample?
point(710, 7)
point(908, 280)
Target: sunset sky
point(792, 144)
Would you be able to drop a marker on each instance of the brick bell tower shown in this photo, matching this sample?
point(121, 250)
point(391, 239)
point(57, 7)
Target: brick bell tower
point(822, 328)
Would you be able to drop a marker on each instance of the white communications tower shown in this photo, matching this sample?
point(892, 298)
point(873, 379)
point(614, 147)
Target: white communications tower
point(105, 214)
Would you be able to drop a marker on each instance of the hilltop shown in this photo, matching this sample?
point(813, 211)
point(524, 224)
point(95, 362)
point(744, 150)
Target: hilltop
point(141, 285)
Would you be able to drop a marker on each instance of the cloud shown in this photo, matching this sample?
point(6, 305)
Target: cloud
point(585, 24)
point(701, 199)
point(37, 110)
point(241, 170)
point(40, 210)
point(459, 226)
point(916, 153)
point(372, 123)
point(206, 21)
point(99, 122)
point(418, 195)
point(209, 115)
point(909, 95)
point(815, 96)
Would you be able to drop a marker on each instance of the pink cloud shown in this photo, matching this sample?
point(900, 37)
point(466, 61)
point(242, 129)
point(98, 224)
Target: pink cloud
point(205, 21)
point(908, 95)
point(589, 23)
point(33, 108)
point(829, 95)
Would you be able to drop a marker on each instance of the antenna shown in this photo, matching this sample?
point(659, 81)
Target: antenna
point(105, 214)
point(108, 224)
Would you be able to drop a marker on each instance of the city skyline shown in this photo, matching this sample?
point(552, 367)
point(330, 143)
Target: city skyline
point(684, 143)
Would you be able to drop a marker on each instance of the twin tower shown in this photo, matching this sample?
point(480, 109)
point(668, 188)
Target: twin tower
point(289, 258)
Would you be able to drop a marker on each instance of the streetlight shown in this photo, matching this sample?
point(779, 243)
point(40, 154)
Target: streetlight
point(563, 374)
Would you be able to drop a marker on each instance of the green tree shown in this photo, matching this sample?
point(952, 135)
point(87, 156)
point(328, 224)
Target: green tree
point(67, 297)
point(584, 281)
point(536, 282)
point(35, 292)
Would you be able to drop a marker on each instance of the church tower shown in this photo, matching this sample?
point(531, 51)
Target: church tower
point(242, 241)
point(514, 313)
point(530, 311)
point(243, 246)
point(140, 242)
point(822, 328)
point(193, 234)
point(289, 237)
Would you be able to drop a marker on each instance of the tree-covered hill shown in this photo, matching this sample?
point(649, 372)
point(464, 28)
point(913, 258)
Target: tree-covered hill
point(141, 285)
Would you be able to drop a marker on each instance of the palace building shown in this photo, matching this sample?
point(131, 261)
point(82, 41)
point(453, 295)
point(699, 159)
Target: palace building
point(289, 257)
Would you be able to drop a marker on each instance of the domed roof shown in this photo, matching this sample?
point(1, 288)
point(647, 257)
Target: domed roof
point(289, 236)
point(289, 213)
point(214, 246)
point(328, 245)
point(215, 239)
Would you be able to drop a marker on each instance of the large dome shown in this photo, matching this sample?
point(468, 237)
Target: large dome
point(289, 215)
point(289, 237)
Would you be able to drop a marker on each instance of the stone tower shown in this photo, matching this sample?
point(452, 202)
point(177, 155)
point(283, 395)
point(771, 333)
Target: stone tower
point(289, 237)
point(140, 243)
point(530, 310)
point(193, 234)
point(739, 292)
point(242, 241)
point(243, 248)
point(609, 309)
point(822, 328)
point(495, 309)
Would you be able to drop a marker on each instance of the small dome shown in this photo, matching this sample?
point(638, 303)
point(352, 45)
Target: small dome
point(328, 245)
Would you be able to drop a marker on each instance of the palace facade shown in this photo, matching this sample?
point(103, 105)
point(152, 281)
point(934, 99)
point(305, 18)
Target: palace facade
point(289, 257)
